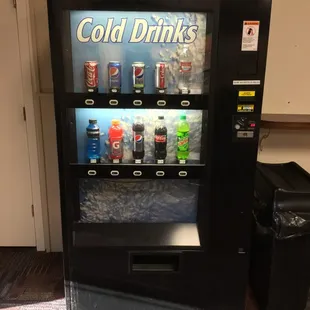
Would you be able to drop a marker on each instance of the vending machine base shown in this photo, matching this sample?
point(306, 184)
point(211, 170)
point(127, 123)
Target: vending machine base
point(89, 297)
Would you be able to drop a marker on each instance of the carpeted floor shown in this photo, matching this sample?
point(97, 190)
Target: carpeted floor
point(34, 281)
point(31, 280)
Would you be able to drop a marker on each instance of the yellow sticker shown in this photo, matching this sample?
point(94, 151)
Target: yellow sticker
point(246, 93)
point(245, 108)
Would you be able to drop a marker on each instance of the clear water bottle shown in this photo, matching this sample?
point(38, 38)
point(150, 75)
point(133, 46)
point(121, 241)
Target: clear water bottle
point(93, 141)
point(185, 70)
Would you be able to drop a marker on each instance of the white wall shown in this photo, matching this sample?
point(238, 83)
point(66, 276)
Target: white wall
point(288, 65)
point(284, 146)
point(40, 28)
point(287, 81)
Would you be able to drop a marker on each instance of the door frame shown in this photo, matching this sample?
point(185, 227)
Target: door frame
point(30, 91)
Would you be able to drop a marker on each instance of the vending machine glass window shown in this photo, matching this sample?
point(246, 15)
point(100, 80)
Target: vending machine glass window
point(139, 53)
point(138, 201)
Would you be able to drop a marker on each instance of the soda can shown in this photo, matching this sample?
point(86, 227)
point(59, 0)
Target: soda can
point(138, 76)
point(91, 76)
point(115, 76)
point(161, 77)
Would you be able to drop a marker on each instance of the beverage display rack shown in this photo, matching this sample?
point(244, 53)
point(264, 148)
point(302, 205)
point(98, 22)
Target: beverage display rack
point(136, 101)
point(138, 171)
point(129, 169)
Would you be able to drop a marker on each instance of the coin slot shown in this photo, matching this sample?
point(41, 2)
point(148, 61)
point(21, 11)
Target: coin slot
point(182, 173)
point(113, 102)
point(161, 103)
point(89, 102)
point(160, 173)
point(185, 103)
point(92, 172)
point(137, 102)
point(137, 173)
point(114, 173)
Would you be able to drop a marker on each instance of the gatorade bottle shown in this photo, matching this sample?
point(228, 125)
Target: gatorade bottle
point(183, 139)
point(116, 135)
point(93, 141)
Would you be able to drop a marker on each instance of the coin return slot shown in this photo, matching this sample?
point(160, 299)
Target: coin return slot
point(182, 173)
point(160, 173)
point(113, 102)
point(137, 173)
point(92, 172)
point(114, 173)
point(161, 103)
point(185, 103)
point(137, 102)
point(89, 102)
point(160, 262)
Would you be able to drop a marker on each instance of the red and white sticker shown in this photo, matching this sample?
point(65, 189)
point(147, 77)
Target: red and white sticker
point(250, 35)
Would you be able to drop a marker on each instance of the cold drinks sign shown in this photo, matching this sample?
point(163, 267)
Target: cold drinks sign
point(141, 32)
point(146, 37)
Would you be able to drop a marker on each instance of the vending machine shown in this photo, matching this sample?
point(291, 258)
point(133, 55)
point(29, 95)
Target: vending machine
point(158, 106)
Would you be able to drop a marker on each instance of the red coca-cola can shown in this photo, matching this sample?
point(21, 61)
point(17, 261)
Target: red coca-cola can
point(161, 77)
point(91, 76)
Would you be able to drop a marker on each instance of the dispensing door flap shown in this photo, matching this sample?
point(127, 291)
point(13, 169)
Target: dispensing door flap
point(155, 262)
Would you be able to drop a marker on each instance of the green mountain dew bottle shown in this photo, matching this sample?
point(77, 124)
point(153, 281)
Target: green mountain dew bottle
point(183, 139)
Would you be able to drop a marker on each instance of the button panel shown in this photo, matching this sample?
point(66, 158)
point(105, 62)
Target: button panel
point(245, 127)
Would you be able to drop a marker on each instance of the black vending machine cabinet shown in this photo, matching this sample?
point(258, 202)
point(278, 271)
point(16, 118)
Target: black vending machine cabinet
point(158, 108)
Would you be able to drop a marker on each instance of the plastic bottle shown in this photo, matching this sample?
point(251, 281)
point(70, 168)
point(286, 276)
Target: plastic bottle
point(185, 71)
point(183, 138)
point(138, 138)
point(93, 141)
point(160, 139)
point(116, 135)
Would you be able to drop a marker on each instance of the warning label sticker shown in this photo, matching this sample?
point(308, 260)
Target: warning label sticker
point(245, 108)
point(246, 93)
point(250, 34)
